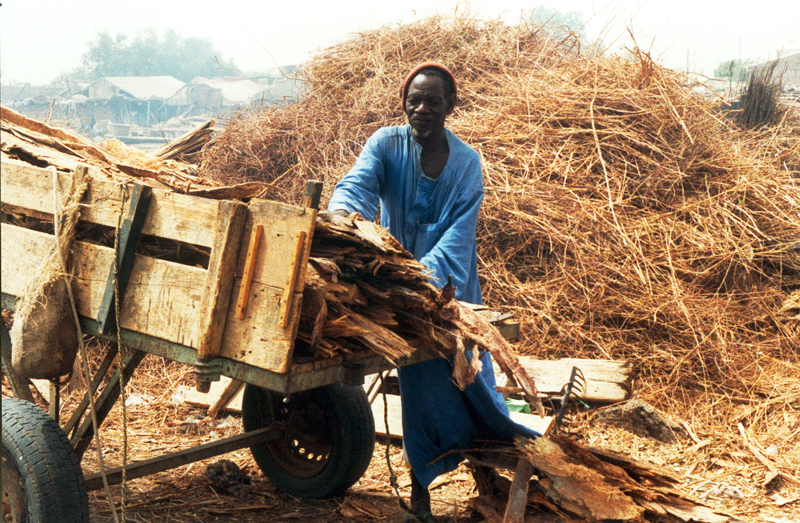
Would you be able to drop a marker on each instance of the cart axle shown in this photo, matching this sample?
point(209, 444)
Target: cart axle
point(183, 457)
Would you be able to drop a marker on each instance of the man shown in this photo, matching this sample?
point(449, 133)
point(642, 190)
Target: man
point(429, 186)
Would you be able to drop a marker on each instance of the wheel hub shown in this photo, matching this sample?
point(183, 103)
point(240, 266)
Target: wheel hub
point(305, 445)
point(15, 505)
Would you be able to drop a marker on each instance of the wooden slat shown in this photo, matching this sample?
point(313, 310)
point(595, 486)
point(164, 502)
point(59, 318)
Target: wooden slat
point(162, 297)
point(249, 265)
point(120, 270)
point(291, 279)
point(257, 339)
point(607, 380)
point(395, 416)
point(213, 315)
point(230, 391)
point(282, 223)
point(171, 215)
point(214, 396)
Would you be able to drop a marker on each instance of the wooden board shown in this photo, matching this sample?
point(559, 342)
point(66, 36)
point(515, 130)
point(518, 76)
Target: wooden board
point(607, 380)
point(258, 339)
point(171, 215)
point(162, 299)
point(200, 399)
point(532, 421)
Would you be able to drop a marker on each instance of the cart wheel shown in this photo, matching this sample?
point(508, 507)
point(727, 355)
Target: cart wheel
point(42, 476)
point(326, 441)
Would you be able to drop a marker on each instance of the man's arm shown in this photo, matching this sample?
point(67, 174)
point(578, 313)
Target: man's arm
point(358, 191)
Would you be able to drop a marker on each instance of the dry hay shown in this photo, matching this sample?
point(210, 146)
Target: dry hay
point(623, 217)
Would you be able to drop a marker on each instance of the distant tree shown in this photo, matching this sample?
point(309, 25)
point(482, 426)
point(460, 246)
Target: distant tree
point(149, 54)
point(545, 15)
point(558, 20)
point(734, 70)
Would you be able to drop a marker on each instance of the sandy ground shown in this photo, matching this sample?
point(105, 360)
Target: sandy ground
point(724, 477)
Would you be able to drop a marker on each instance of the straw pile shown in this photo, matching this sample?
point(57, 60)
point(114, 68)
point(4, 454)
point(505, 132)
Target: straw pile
point(623, 217)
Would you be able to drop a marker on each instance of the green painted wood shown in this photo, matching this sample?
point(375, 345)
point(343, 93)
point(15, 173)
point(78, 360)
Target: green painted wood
point(129, 234)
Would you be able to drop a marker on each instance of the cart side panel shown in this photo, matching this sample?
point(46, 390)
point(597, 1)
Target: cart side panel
point(162, 299)
point(171, 215)
point(168, 300)
point(259, 339)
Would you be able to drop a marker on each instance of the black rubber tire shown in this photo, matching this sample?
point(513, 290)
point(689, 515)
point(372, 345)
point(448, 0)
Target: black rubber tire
point(326, 441)
point(38, 451)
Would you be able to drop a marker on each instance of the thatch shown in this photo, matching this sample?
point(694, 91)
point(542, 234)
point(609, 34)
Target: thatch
point(623, 217)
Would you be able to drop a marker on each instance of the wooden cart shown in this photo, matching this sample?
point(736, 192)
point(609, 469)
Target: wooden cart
point(308, 423)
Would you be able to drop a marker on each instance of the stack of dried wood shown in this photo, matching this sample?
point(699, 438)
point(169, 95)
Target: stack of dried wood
point(186, 146)
point(39, 144)
point(364, 290)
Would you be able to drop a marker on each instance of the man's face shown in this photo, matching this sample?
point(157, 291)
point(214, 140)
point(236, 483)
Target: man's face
point(427, 106)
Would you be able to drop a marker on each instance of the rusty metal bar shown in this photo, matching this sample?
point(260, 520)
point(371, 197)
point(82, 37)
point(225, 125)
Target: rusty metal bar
point(83, 436)
point(80, 410)
point(183, 457)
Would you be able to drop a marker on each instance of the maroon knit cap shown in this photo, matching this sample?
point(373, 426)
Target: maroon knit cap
point(417, 69)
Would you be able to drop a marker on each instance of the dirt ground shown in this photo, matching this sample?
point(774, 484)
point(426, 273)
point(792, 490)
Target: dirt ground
point(158, 422)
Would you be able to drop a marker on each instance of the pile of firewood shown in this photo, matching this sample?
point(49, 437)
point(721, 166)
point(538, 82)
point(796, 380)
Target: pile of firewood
point(558, 480)
point(364, 290)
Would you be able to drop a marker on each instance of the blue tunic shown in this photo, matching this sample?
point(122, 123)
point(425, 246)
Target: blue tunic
point(435, 220)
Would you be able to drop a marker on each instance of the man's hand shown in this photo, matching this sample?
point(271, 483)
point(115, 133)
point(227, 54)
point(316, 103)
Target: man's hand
point(333, 216)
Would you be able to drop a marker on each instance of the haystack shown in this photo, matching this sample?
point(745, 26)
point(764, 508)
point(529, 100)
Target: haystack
point(624, 217)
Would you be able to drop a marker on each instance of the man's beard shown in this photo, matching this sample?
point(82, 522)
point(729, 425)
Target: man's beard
point(422, 134)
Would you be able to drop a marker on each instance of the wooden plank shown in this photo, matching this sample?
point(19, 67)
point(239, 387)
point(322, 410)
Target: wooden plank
point(291, 279)
point(282, 223)
point(607, 380)
point(120, 270)
point(395, 416)
point(213, 396)
point(257, 339)
point(533, 422)
point(162, 298)
point(231, 390)
point(171, 215)
point(213, 315)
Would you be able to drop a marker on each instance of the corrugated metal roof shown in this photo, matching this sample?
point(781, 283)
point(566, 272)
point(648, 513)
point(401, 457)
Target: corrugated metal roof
point(145, 87)
point(284, 90)
point(235, 91)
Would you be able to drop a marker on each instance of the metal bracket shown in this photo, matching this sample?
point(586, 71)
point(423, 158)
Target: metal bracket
point(353, 373)
point(206, 370)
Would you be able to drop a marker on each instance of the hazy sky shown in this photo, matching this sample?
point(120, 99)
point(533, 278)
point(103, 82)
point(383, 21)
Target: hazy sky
point(41, 38)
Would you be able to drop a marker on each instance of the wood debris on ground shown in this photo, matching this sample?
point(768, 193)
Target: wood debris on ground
point(576, 483)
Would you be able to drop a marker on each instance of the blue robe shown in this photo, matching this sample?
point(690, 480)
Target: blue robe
point(435, 220)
